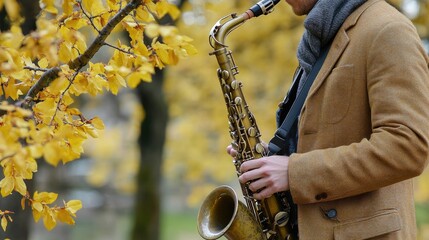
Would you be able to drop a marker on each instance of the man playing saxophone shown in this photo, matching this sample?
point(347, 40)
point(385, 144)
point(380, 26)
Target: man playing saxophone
point(363, 131)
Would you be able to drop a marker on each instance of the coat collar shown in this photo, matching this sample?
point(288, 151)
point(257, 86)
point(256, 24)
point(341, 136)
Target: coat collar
point(338, 46)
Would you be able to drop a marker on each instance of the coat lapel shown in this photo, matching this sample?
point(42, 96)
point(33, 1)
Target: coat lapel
point(338, 46)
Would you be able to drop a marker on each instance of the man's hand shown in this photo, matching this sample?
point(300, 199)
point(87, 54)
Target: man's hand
point(266, 175)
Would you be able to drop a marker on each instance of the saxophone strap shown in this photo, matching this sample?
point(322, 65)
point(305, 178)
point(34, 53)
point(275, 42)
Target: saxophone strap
point(279, 141)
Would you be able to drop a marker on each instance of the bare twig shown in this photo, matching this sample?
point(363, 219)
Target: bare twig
point(36, 69)
point(119, 49)
point(62, 96)
point(87, 16)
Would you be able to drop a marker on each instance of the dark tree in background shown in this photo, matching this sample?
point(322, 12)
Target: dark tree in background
point(151, 142)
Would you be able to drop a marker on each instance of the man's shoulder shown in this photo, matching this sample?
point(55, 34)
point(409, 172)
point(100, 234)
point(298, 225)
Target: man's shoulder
point(373, 16)
point(378, 13)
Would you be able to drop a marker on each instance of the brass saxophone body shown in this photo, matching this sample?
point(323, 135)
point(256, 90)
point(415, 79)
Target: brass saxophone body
point(221, 214)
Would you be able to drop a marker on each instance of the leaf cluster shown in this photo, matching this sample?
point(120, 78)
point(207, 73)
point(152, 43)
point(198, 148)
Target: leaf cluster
point(43, 72)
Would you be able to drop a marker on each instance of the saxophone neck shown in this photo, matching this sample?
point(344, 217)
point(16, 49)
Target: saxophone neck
point(225, 26)
point(229, 23)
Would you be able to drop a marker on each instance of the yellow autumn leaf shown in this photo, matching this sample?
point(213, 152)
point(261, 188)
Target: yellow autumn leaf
point(190, 49)
point(144, 15)
point(45, 197)
point(164, 7)
point(141, 49)
point(135, 78)
point(37, 206)
point(4, 222)
point(43, 63)
point(94, 7)
point(73, 206)
point(36, 214)
point(23, 199)
point(76, 22)
point(151, 6)
point(135, 31)
point(89, 130)
point(65, 217)
point(68, 6)
point(36, 151)
point(114, 79)
point(97, 123)
point(65, 52)
point(51, 153)
point(12, 8)
point(45, 110)
point(96, 84)
point(48, 5)
point(152, 31)
point(49, 219)
point(20, 186)
point(7, 185)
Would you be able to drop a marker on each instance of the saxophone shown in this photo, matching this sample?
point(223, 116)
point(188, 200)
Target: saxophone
point(221, 214)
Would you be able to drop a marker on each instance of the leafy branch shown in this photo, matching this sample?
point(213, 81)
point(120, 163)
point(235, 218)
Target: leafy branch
point(78, 63)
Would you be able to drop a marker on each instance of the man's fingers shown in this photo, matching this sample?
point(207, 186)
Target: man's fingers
point(251, 164)
point(264, 193)
point(250, 175)
point(231, 151)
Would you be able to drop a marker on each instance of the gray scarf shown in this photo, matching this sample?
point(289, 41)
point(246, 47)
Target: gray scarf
point(321, 26)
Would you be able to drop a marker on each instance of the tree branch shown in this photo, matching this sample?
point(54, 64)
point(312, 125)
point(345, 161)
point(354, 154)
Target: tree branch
point(78, 63)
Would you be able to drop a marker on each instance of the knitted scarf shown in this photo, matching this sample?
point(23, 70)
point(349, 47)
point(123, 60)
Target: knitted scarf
point(321, 26)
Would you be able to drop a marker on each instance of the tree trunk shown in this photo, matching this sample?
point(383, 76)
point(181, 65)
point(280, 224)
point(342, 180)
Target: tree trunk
point(151, 142)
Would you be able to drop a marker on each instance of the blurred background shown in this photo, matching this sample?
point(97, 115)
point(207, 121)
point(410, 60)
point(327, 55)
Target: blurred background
point(163, 149)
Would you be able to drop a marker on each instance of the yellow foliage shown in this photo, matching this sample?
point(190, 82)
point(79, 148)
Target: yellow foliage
point(115, 154)
point(43, 72)
point(422, 187)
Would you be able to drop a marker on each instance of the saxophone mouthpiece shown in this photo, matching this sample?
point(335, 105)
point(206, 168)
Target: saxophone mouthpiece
point(262, 7)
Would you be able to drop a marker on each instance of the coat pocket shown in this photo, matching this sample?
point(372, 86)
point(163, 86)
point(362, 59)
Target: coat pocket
point(337, 94)
point(383, 222)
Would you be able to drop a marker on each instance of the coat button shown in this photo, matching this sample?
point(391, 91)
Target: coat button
point(331, 213)
point(321, 196)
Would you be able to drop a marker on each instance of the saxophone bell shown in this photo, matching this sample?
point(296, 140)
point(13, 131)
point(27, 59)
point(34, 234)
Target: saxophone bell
point(221, 214)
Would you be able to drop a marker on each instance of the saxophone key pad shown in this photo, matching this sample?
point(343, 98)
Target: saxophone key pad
point(235, 84)
point(251, 131)
point(259, 148)
point(225, 74)
point(238, 100)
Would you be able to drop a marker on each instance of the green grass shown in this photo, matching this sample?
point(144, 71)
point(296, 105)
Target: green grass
point(178, 226)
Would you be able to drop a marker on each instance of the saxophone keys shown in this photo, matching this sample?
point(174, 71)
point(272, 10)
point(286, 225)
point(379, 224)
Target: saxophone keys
point(252, 132)
point(226, 88)
point(235, 84)
point(225, 75)
point(238, 100)
point(281, 219)
point(219, 73)
point(259, 148)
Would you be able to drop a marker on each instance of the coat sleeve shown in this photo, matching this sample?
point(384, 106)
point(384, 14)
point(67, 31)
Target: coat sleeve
point(398, 146)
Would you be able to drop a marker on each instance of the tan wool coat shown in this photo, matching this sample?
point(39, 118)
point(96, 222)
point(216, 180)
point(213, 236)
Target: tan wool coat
point(364, 131)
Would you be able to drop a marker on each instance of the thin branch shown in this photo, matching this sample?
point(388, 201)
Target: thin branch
point(119, 49)
point(62, 96)
point(87, 16)
point(36, 69)
point(83, 59)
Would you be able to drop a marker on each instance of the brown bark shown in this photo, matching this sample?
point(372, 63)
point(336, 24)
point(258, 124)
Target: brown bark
point(151, 142)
